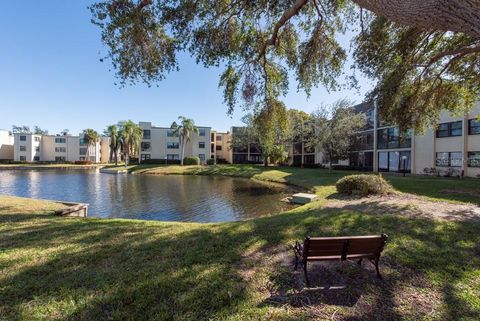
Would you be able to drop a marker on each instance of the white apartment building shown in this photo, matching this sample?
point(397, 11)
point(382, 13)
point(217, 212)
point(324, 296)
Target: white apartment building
point(51, 148)
point(6, 145)
point(160, 143)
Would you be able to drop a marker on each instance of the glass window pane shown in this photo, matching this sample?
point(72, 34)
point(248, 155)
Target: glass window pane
point(442, 159)
point(383, 161)
point(456, 159)
point(474, 159)
point(394, 161)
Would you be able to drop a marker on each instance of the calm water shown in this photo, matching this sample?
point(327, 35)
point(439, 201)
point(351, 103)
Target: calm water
point(165, 198)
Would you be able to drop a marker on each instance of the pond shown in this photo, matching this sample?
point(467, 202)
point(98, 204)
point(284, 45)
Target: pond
point(183, 198)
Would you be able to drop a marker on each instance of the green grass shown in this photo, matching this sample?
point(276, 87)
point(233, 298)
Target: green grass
point(56, 268)
point(322, 181)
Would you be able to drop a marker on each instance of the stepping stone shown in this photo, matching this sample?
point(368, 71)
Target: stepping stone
point(303, 198)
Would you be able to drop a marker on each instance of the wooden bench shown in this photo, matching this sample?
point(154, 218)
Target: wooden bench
point(340, 248)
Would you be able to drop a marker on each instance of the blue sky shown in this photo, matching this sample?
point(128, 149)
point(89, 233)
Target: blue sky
point(51, 76)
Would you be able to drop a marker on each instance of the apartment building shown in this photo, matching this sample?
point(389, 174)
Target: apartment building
point(160, 143)
point(455, 144)
point(250, 153)
point(50, 148)
point(6, 145)
point(220, 147)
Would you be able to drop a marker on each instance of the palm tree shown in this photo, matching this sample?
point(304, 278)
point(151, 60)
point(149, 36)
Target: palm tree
point(90, 138)
point(184, 131)
point(113, 134)
point(130, 137)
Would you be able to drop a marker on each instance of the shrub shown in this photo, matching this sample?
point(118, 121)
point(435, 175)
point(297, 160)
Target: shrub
point(83, 162)
point(363, 184)
point(211, 161)
point(161, 161)
point(191, 160)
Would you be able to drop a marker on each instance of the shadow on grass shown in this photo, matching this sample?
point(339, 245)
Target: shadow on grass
point(112, 269)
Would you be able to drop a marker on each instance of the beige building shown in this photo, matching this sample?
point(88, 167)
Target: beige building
point(65, 148)
point(453, 147)
point(161, 144)
point(220, 147)
point(6, 145)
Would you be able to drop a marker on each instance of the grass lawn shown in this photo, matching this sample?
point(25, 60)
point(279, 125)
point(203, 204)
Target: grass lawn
point(54, 268)
point(322, 180)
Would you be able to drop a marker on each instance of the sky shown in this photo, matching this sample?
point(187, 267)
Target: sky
point(51, 76)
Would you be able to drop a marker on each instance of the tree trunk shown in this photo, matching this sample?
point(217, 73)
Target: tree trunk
point(182, 142)
point(115, 152)
point(447, 15)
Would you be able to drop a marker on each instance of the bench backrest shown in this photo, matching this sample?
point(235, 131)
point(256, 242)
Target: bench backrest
point(343, 245)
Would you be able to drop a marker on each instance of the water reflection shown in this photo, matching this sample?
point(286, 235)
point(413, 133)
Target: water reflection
point(166, 198)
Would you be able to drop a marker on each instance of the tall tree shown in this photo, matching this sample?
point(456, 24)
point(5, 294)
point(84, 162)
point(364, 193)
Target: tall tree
point(112, 133)
point(21, 129)
point(336, 129)
point(90, 138)
point(38, 131)
point(262, 42)
point(65, 132)
point(273, 128)
point(130, 138)
point(184, 130)
point(302, 129)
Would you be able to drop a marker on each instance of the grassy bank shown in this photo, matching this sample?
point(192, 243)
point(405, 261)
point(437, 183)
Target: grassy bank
point(322, 181)
point(93, 269)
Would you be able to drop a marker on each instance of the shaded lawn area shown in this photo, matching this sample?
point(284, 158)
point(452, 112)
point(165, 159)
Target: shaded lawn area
point(94, 269)
point(322, 181)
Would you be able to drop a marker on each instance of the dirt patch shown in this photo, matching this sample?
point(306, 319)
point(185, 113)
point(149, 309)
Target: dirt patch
point(407, 204)
point(475, 192)
point(341, 290)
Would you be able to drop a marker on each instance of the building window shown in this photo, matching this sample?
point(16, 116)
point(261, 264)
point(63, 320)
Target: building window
point(201, 144)
point(83, 150)
point(82, 142)
point(219, 137)
point(23, 158)
point(309, 159)
point(473, 159)
point(37, 148)
point(23, 148)
point(146, 134)
point(171, 133)
point(449, 129)
point(60, 158)
point(202, 157)
point(449, 159)
point(173, 157)
point(60, 150)
point(474, 127)
point(82, 158)
point(23, 138)
point(145, 156)
point(389, 138)
point(36, 158)
point(172, 145)
point(218, 147)
point(394, 161)
point(201, 132)
point(36, 138)
point(145, 146)
point(60, 140)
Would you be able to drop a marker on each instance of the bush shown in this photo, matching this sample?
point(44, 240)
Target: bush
point(363, 185)
point(191, 161)
point(161, 161)
point(83, 162)
point(211, 161)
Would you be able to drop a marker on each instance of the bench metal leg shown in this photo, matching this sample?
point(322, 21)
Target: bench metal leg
point(376, 267)
point(305, 273)
point(359, 262)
